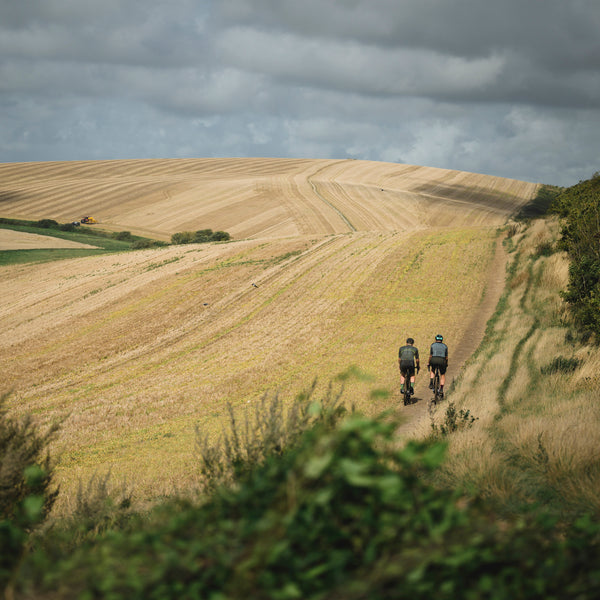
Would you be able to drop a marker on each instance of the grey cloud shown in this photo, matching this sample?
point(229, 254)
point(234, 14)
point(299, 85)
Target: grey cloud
point(103, 32)
point(509, 88)
point(460, 27)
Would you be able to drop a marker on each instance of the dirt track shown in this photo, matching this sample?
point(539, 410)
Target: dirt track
point(333, 264)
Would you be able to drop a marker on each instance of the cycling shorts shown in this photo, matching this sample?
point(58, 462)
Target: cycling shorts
point(407, 369)
point(438, 361)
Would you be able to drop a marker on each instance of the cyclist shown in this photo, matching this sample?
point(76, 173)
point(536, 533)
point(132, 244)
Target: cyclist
point(408, 359)
point(438, 357)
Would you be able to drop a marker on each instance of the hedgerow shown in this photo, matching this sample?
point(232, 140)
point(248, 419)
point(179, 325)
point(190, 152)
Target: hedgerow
point(340, 513)
point(579, 206)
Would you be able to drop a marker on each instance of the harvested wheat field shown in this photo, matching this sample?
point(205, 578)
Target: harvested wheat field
point(332, 265)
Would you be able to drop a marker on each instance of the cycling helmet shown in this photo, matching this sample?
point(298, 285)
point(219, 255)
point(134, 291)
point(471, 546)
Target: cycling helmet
point(439, 338)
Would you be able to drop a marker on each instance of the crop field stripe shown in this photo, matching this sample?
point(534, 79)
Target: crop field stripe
point(311, 180)
point(175, 356)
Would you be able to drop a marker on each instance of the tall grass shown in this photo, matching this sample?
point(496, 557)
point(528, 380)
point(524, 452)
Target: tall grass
point(533, 386)
point(268, 429)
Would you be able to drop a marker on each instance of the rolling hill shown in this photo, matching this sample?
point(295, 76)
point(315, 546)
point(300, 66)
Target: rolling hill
point(332, 265)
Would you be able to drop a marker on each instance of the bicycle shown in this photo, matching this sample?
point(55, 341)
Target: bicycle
point(437, 394)
point(406, 393)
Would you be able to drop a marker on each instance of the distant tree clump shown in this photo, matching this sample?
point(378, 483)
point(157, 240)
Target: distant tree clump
point(123, 236)
point(199, 237)
point(579, 207)
point(47, 224)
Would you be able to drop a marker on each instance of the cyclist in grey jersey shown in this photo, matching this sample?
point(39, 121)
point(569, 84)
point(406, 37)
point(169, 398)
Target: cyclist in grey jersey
point(438, 357)
point(408, 359)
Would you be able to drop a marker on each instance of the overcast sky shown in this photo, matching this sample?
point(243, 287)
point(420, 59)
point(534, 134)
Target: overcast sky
point(502, 87)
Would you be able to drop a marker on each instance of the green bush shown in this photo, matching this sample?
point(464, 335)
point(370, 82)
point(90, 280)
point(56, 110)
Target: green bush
point(343, 513)
point(183, 237)
point(123, 236)
point(201, 236)
point(47, 224)
point(579, 207)
point(26, 494)
point(220, 236)
point(453, 420)
point(269, 430)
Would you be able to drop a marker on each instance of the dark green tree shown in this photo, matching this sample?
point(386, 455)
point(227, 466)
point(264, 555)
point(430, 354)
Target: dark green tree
point(579, 206)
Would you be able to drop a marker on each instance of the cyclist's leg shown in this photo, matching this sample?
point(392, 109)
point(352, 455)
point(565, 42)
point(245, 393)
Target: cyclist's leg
point(442, 377)
point(404, 376)
point(438, 368)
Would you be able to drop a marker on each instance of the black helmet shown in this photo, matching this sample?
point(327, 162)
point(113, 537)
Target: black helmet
point(410, 341)
point(439, 338)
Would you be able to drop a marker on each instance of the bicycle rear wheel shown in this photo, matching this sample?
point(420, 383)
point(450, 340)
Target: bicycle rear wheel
point(406, 392)
point(436, 386)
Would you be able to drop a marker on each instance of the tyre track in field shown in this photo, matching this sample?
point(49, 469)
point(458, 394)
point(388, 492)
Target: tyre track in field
point(164, 350)
point(342, 216)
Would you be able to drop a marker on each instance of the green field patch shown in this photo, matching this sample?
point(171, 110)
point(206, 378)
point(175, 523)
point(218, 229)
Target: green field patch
point(103, 241)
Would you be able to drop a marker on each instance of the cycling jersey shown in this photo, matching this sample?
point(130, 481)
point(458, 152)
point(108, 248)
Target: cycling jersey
point(408, 354)
point(438, 356)
point(438, 350)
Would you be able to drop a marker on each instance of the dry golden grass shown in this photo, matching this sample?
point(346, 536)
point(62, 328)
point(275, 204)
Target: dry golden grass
point(544, 422)
point(132, 350)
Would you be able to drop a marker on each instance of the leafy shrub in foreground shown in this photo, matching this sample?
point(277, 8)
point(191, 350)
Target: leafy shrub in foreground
point(25, 485)
point(342, 514)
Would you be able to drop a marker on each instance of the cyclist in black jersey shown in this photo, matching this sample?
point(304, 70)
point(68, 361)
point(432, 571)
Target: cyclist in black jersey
point(408, 361)
point(438, 357)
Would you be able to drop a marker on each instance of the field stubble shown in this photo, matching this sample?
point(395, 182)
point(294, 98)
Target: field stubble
point(133, 367)
point(133, 350)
